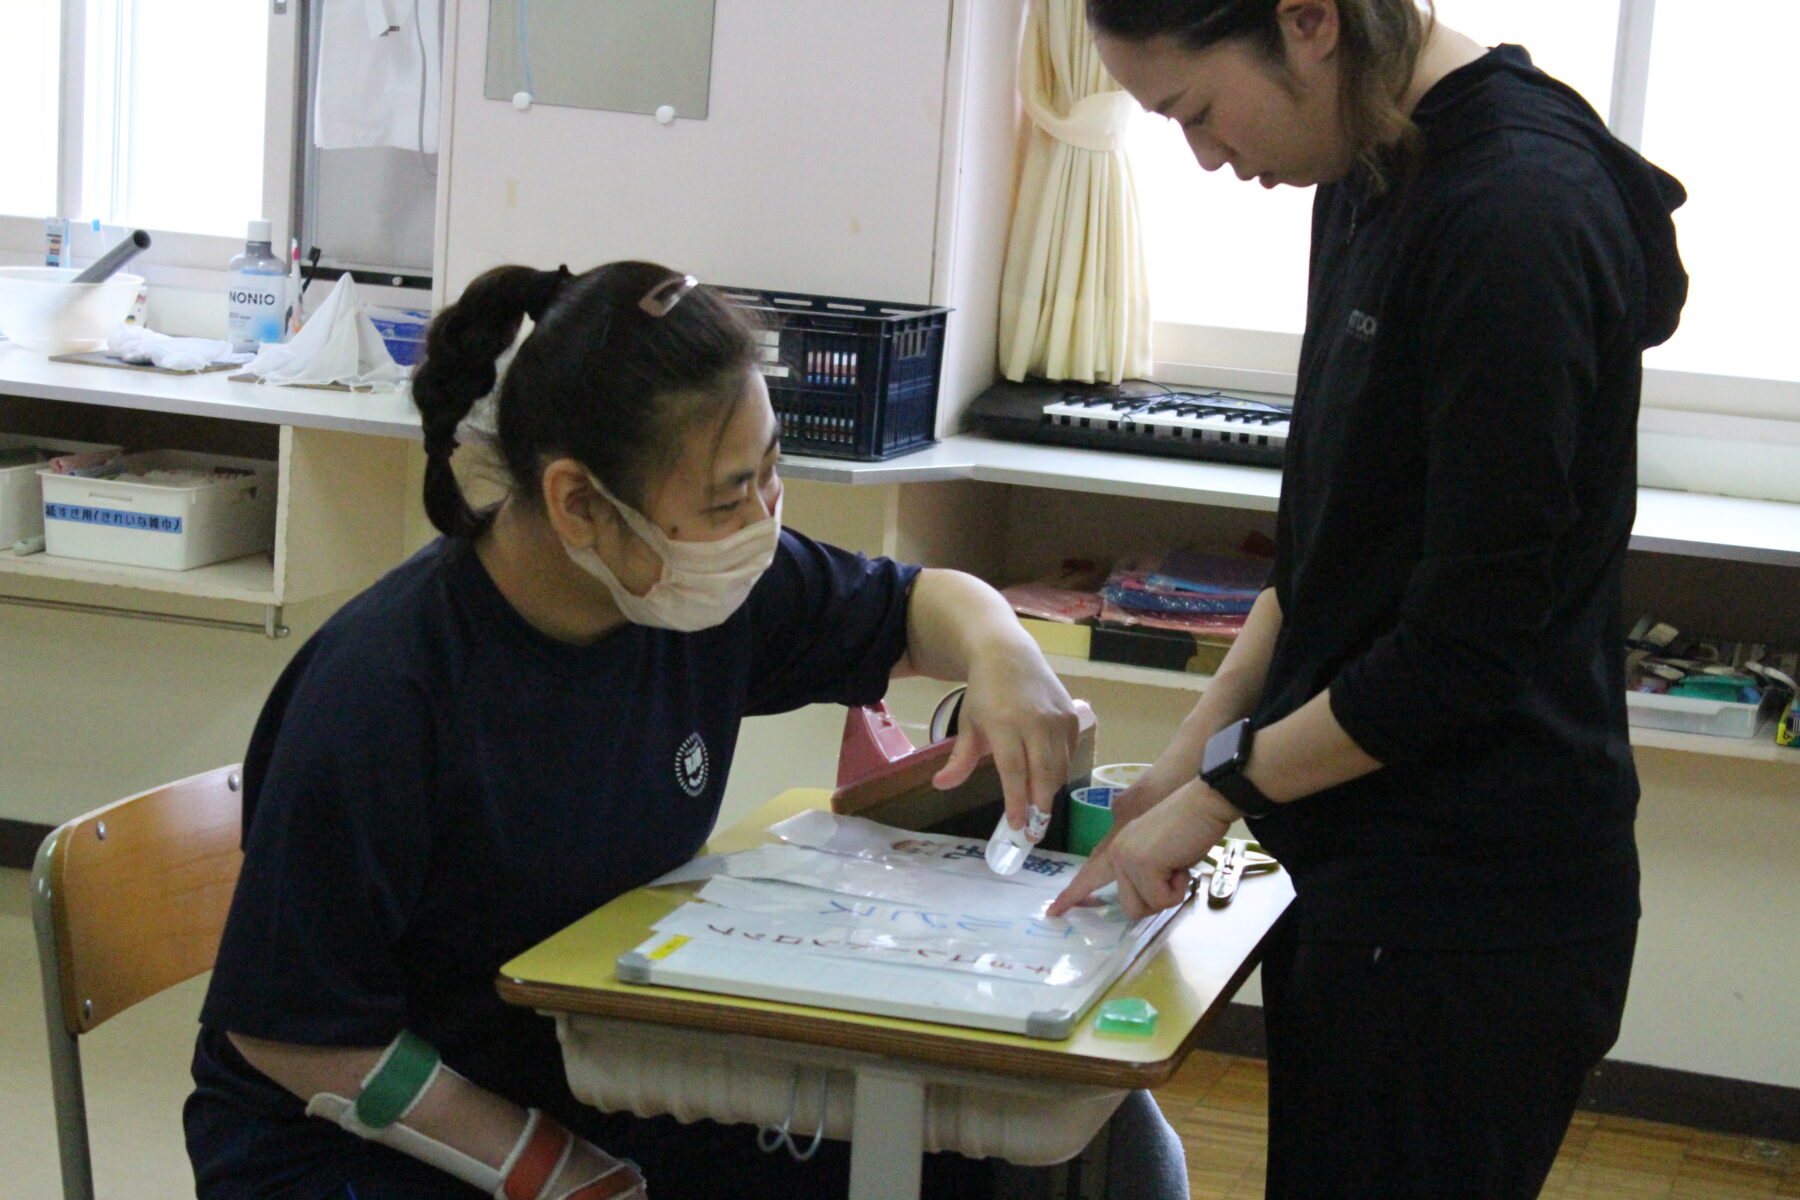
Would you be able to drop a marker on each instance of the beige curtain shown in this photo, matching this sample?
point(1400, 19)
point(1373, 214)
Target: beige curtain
point(1074, 298)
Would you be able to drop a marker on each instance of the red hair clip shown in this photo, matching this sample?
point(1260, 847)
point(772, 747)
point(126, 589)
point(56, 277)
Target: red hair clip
point(667, 294)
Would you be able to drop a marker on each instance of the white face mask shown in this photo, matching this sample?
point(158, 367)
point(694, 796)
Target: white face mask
point(702, 583)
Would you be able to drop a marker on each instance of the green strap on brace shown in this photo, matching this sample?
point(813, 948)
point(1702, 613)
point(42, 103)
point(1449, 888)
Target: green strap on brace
point(403, 1072)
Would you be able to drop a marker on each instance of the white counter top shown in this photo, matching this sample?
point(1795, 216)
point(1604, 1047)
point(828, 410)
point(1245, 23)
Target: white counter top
point(990, 460)
point(1668, 522)
point(390, 414)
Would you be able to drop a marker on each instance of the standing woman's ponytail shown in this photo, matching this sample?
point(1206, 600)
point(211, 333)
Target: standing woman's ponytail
point(460, 366)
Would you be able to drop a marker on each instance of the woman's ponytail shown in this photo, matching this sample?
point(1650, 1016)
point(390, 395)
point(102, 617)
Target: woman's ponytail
point(621, 362)
point(459, 367)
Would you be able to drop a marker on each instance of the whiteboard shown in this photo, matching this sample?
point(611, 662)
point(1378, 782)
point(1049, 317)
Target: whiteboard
point(915, 993)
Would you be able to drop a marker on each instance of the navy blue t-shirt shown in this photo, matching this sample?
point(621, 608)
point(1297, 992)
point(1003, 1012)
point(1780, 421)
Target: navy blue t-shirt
point(434, 786)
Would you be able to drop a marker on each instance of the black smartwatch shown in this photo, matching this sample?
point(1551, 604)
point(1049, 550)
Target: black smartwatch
point(1222, 768)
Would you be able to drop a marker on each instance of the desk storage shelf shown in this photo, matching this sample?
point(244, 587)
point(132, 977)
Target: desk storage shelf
point(340, 499)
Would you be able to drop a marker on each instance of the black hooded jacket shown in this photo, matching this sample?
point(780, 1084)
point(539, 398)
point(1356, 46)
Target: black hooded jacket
point(1458, 496)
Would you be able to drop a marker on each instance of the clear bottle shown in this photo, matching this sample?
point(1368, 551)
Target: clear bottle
point(256, 299)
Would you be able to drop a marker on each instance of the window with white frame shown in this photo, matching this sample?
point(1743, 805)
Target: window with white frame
point(30, 38)
point(173, 117)
point(1704, 96)
point(1720, 115)
point(145, 114)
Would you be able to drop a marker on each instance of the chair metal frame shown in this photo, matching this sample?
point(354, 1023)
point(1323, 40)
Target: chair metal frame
point(127, 901)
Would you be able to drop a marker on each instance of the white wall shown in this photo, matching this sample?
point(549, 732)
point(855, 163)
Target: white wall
point(815, 170)
point(861, 150)
point(99, 707)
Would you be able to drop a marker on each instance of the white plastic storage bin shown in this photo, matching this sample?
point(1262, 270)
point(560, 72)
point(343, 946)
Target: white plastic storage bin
point(176, 527)
point(1691, 714)
point(21, 495)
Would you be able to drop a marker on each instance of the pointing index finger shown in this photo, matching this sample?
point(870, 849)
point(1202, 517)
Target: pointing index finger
point(1095, 874)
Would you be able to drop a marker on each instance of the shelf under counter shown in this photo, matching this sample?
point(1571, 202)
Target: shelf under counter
point(1087, 668)
point(249, 580)
point(1761, 748)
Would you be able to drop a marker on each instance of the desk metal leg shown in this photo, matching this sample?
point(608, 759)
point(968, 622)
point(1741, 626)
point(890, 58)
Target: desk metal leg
point(887, 1135)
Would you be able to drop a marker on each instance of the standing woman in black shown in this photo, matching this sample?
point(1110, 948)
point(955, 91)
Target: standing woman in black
point(1425, 715)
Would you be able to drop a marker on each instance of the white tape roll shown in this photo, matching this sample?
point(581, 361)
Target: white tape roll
point(1119, 775)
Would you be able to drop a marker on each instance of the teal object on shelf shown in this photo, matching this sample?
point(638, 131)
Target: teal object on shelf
point(1129, 1015)
point(1733, 689)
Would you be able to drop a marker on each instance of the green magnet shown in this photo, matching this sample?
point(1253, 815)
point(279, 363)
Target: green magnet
point(1128, 1014)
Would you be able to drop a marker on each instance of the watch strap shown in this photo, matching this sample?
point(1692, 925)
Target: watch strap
point(1245, 796)
point(1227, 778)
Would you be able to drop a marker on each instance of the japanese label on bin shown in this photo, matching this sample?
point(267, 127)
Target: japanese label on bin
point(118, 518)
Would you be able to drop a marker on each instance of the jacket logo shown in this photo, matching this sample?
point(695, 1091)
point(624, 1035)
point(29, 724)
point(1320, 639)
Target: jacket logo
point(691, 765)
point(1362, 326)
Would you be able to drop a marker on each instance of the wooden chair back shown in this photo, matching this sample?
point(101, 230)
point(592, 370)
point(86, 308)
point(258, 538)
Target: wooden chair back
point(137, 891)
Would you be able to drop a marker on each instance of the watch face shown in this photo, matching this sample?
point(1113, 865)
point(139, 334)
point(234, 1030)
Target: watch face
point(1221, 749)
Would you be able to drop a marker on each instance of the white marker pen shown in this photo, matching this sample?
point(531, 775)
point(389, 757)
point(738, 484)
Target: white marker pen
point(1008, 848)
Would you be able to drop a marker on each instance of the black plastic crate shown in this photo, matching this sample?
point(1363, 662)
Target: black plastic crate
point(849, 378)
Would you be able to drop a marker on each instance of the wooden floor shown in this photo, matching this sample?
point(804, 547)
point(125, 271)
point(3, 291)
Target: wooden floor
point(1219, 1105)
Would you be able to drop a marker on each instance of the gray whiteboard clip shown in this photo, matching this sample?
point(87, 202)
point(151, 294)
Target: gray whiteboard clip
point(633, 967)
point(1054, 1024)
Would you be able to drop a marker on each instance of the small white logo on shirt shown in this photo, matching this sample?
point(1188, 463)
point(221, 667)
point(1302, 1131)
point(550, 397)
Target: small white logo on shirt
point(1363, 326)
point(690, 765)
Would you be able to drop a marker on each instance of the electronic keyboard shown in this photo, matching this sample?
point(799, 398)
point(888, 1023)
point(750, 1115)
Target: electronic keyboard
point(1206, 425)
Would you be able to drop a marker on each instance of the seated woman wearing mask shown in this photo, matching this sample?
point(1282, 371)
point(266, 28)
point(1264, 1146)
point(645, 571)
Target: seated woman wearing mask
point(533, 715)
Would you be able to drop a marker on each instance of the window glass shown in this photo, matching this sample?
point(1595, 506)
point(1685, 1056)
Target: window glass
point(183, 108)
point(1573, 41)
point(1720, 116)
point(1226, 253)
point(1219, 251)
point(30, 38)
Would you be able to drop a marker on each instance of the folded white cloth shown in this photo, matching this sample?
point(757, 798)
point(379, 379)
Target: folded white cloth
point(377, 88)
point(136, 344)
point(338, 344)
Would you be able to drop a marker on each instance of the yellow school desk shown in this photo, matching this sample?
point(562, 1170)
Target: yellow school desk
point(894, 1088)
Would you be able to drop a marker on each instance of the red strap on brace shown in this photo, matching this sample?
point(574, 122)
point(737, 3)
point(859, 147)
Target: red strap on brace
point(538, 1161)
point(606, 1187)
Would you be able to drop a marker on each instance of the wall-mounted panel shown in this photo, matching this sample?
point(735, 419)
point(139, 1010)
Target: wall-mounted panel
point(816, 168)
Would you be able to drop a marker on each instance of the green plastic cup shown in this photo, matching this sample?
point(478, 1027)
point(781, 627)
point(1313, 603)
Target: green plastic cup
point(1090, 817)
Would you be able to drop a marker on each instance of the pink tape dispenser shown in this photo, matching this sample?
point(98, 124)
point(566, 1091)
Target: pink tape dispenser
point(883, 776)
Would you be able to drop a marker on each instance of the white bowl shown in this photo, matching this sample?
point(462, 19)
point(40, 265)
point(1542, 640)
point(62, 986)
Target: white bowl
point(44, 309)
